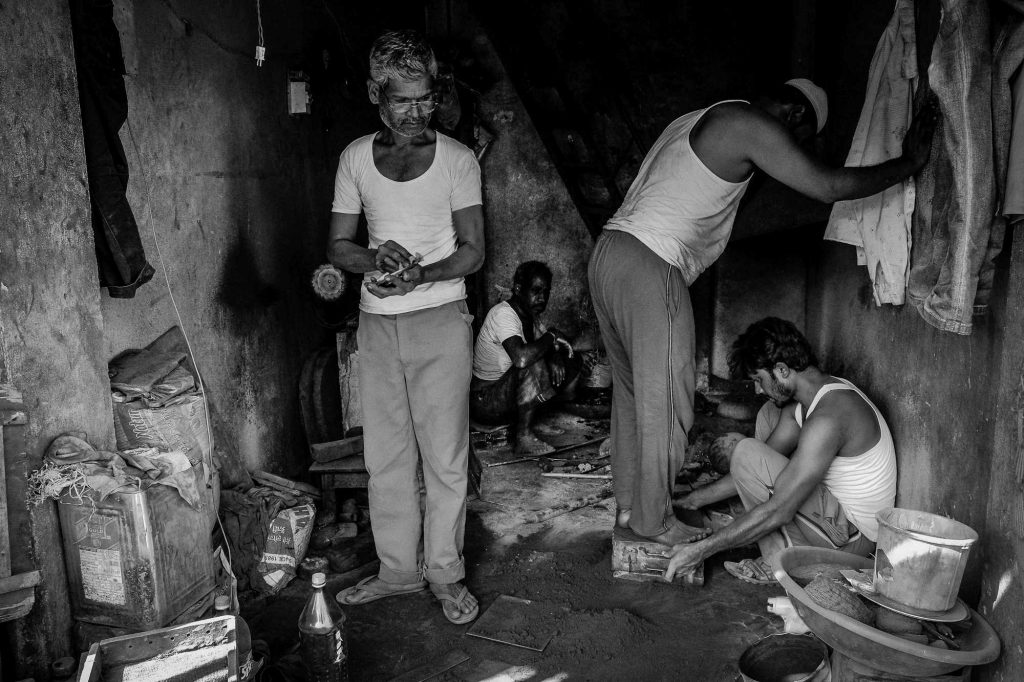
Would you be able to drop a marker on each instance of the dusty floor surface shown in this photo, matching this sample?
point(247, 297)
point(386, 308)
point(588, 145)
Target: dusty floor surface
point(600, 628)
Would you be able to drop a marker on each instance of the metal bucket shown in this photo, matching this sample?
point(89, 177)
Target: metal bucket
point(786, 658)
point(920, 558)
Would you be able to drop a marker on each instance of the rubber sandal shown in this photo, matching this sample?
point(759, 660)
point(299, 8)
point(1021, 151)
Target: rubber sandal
point(753, 571)
point(362, 593)
point(461, 618)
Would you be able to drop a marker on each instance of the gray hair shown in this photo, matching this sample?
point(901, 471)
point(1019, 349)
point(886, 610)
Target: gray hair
point(404, 55)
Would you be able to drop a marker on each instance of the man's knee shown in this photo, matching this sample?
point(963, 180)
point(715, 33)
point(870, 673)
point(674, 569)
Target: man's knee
point(748, 457)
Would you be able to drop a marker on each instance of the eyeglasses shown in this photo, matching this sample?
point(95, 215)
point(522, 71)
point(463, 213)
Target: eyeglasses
point(424, 105)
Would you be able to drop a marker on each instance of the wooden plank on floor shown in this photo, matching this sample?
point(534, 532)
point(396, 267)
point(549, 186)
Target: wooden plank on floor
point(433, 668)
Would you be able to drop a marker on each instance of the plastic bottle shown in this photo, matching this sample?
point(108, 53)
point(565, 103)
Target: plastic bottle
point(243, 638)
point(322, 631)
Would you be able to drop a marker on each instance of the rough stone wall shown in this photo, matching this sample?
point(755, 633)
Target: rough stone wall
point(1002, 541)
point(529, 213)
point(236, 194)
point(51, 330)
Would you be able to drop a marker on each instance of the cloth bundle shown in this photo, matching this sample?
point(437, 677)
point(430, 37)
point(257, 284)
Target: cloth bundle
point(71, 462)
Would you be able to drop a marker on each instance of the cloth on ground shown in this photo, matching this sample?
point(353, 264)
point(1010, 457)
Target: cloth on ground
point(880, 225)
point(246, 517)
point(951, 260)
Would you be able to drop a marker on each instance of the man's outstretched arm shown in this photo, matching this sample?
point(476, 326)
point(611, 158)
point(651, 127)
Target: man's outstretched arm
point(819, 443)
point(771, 147)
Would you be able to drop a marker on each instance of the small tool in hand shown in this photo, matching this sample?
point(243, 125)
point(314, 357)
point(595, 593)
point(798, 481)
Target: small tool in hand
point(389, 277)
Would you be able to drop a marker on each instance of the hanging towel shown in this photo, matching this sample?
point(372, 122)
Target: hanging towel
point(880, 225)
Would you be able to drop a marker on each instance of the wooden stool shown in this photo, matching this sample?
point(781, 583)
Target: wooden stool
point(350, 472)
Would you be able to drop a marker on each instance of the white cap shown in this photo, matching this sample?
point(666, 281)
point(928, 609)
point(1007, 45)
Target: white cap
point(319, 580)
point(815, 95)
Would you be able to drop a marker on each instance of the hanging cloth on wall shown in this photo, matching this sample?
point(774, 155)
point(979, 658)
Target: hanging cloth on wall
point(104, 102)
point(956, 190)
point(880, 225)
point(1008, 116)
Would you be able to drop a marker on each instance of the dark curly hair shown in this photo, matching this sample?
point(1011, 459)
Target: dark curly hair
point(527, 270)
point(767, 342)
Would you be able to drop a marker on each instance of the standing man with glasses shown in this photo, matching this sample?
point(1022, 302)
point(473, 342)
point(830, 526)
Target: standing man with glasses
point(420, 193)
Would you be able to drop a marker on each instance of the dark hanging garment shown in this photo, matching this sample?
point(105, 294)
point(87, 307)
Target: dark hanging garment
point(119, 254)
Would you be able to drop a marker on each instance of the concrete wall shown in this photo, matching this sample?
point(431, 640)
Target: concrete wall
point(51, 331)
point(236, 194)
point(1002, 542)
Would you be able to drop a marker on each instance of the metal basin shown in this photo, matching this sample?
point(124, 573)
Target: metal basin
point(868, 645)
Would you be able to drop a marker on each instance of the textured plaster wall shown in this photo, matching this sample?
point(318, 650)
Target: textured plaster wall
point(51, 330)
point(937, 390)
point(1002, 541)
point(236, 194)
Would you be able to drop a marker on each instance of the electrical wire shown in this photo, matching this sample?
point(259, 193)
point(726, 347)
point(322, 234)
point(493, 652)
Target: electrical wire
point(177, 313)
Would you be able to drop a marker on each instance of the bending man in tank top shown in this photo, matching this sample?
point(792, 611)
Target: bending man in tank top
point(821, 464)
point(673, 224)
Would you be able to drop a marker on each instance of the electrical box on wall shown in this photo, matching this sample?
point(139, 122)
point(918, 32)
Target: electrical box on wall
point(298, 92)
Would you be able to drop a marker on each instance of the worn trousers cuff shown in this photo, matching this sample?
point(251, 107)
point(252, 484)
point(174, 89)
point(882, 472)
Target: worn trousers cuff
point(449, 574)
point(390, 575)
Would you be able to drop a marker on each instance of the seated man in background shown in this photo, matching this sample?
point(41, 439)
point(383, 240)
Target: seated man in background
point(822, 472)
point(518, 363)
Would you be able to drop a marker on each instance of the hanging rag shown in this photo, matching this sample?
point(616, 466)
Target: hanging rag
point(956, 192)
point(880, 225)
point(1008, 117)
point(120, 256)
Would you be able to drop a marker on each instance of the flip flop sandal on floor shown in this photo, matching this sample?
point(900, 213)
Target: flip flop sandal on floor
point(461, 618)
point(366, 591)
point(754, 571)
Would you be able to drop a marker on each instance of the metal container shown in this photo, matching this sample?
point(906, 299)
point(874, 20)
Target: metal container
point(786, 658)
point(139, 558)
point(867, 645)
point(920, 558)
point(205, 649)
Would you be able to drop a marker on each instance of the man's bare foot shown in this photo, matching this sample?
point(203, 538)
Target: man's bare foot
point(680, 533)
point(622, 518)
point(529, 444)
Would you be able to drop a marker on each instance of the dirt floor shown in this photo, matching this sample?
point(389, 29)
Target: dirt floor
point(591, 625)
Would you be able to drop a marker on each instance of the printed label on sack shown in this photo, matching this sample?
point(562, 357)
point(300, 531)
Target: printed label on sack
point(101, 575)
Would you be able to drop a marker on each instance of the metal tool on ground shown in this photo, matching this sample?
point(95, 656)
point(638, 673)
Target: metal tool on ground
point(569, 474)
point(556, 451)
point(566, 507)
point(528, 632)
point(389, 277)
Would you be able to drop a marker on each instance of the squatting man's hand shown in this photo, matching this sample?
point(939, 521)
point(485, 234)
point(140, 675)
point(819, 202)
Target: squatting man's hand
point(685, 557)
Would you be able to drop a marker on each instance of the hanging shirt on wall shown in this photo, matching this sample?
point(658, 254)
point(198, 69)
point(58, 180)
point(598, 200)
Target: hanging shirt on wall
point(880, 225)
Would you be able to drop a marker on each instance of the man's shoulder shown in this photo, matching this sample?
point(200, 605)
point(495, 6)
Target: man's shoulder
point(500, 312)
point(455, 149)
point(359, 148)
